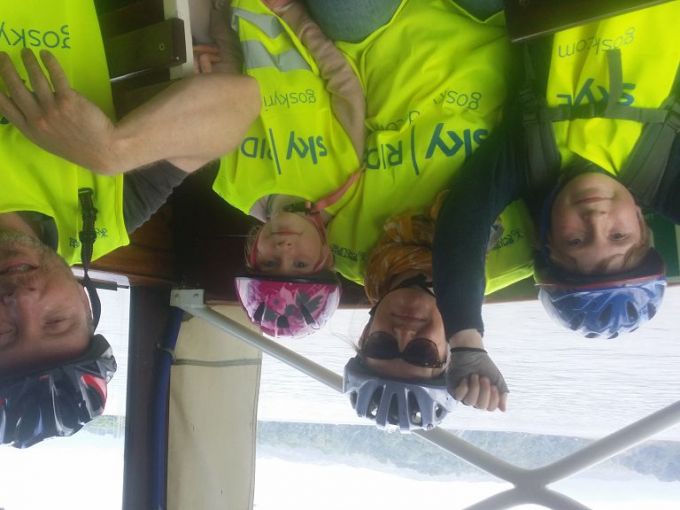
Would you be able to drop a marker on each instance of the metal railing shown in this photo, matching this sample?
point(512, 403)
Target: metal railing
point(530, 485)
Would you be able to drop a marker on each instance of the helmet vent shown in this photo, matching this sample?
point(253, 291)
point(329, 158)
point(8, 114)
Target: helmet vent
point(606, 315)
point(282, 322)
point(632, 312)
point(415, 416)
point(393, 413)
point(651, 310)
point(257, 316)
point(306, 315)
point(372, 410)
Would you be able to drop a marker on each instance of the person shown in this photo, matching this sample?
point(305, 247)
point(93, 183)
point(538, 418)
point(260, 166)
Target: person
point(54, 213)
point(402, 349)
point(417, 139)
point(586, 184)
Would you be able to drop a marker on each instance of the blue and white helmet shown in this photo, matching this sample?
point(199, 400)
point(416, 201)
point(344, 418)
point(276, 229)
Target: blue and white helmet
point(602, 306)
point(391, 403)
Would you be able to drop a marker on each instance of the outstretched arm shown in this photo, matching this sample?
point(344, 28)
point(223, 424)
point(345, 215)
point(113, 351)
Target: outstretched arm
point(489, 181)
point(190, 123)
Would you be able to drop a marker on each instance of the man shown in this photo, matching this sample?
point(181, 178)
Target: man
point(53, 212)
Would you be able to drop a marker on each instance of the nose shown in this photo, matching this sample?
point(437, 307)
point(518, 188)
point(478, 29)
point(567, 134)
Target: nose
point(404, 332)
point(17, 295)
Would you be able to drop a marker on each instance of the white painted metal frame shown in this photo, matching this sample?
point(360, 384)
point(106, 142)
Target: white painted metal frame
point(530, 485)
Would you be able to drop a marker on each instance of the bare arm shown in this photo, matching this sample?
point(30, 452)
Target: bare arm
point(189, 123)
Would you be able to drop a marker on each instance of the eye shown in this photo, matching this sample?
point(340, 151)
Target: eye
point(299, 264)
point(574, 241)
point(268, 264)
point(618, 236)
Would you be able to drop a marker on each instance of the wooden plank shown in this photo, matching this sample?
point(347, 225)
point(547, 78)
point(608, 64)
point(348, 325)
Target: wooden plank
point(157, 46)
point(527, 19)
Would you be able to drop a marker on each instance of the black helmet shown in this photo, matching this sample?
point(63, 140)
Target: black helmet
point(56, 401)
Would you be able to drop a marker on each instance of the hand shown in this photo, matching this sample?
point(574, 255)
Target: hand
point(474, 379)
point(205, 55)
point(53, 115)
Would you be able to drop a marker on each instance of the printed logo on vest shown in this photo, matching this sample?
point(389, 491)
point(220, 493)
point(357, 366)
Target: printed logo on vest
point(101, 232)
point(309, 148)
point(452, 97)
point(34, 38)
point(396, 125)
point(386, 155)
point(508, 238)
point(451, 142)
point(346, 253)
point(597, 44)
point(288, 99)
point(591, 93)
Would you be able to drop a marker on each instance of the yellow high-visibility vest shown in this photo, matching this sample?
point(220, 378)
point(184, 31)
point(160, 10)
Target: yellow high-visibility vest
point(435, 80)
point(649, 44)
point(33, 179)
point(296, 147)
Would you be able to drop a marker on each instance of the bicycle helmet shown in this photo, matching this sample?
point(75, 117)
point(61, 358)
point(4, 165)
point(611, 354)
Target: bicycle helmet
point(602, 306)
point(289, 307)
point(406, 404)
point(57, 401)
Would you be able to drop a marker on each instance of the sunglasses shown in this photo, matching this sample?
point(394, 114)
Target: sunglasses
point(421, 352)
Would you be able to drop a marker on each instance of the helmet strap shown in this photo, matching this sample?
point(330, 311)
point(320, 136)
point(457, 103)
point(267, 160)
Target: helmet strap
point(87, 236)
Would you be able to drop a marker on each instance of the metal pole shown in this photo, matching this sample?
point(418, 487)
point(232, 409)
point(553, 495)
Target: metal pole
point(473, 455)
point(609, 446)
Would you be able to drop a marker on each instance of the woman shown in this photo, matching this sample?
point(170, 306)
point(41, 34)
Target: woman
point(404, 344)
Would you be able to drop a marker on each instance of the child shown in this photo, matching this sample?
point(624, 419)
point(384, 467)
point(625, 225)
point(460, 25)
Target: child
point(597, 272)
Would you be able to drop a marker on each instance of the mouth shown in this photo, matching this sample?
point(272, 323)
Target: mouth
point(591, 200)
point(408, 318)
point(283, 233)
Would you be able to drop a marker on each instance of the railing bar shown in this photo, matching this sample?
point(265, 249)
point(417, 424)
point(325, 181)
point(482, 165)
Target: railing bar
point(610, 445)
point(474, 455)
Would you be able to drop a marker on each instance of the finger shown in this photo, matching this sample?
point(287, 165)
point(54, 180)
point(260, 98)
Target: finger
point(473, 392)
point(494, 399)
point(22, 97)
point(205, 64)
point(503, 402)
point(57, 74)
point(9, 110)
point(206, 48)
point(484, 393)
point(461, 390)
point(41, 87)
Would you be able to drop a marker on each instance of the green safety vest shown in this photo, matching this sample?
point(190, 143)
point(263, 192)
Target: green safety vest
point(296, 147)
point(435, 81)
point(581, 74)
point(33, 179)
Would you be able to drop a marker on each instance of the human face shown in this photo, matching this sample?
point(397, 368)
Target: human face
point(288, 244)
point(407, 314)
point(44, 312)
point(594, 223)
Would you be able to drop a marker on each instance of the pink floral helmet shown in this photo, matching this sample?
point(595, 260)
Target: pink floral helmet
point(289, 307)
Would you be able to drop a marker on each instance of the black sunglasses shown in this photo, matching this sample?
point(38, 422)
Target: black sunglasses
point(421, 352)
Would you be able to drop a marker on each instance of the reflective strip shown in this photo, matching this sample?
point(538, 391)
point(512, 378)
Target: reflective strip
point(255, 56)
point(269, 24)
